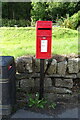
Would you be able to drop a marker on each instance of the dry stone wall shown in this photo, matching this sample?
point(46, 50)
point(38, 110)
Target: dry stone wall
point(61, 72)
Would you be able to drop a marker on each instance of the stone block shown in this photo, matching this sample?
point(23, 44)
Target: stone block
point(24, 64)
point(37, 65)
point(62, 66)
point(60, 58)
point(66, 83)
point(73, 65)
point(47, 82)
point(36, 82)
point(78, 75)
point(68, 76)
point(59, 98)
point(52, 68)
point(26, 84)
point(79, 64)
point(71, 76)
point(20, 76)
point(57, 90)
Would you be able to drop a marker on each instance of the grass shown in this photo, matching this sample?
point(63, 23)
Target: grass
point(22, 41)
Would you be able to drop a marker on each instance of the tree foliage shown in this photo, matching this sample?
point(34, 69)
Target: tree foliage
point(73, 22)
point(53, 10)
point(39, 10)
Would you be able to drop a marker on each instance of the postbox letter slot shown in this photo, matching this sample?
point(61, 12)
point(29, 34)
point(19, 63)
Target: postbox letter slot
point(44, 28)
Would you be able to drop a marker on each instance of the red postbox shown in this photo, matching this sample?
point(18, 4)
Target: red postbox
point(43, 39)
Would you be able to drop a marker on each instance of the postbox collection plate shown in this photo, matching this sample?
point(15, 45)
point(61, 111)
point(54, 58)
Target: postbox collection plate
point(43, 39)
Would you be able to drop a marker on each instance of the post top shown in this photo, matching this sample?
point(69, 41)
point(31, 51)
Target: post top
point(44, 24)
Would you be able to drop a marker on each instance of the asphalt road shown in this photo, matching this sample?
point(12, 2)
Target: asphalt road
point(69, 113)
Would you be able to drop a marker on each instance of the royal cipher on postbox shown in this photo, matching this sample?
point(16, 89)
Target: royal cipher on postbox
point(43, 39)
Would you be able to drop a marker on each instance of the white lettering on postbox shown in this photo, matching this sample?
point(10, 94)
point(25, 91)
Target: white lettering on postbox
point(44, 45)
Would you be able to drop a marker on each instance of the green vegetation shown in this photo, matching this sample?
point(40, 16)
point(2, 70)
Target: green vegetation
point(52, 105)
point(73, 22)
point(27, 13)
point(22, 41)
point(35, 102)
point(13, 22)
point(53, 10)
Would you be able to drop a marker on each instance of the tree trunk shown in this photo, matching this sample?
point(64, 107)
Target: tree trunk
point(11, 13)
